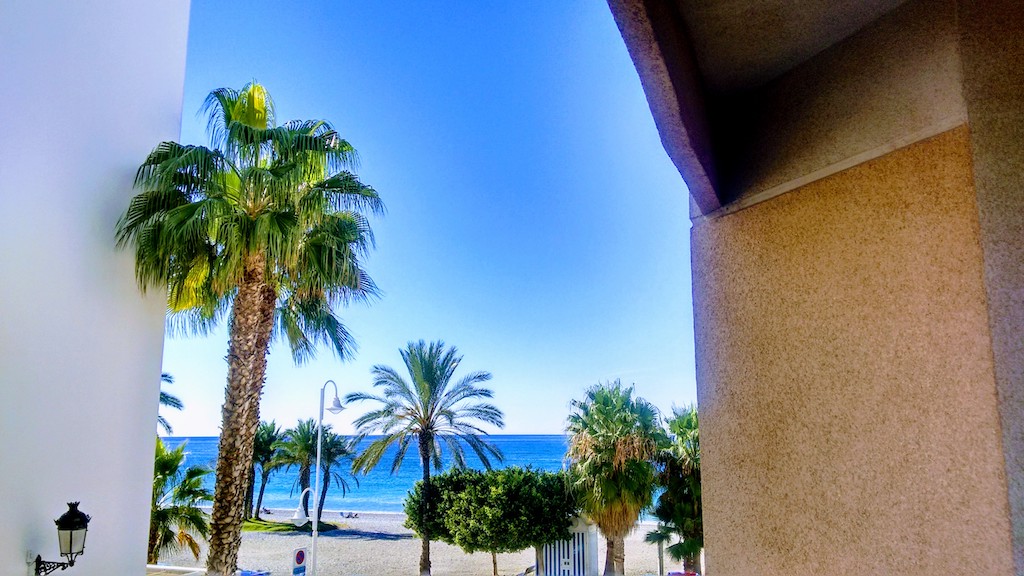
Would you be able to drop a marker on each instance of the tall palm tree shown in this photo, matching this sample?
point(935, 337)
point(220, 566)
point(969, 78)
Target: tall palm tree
point(175, 520)
point(614, 438)
point(169, 400)
point(263, 455)
point(298, 448)
point(678, 508)
point(336, 456)
point(267, 228)
point(431, 409)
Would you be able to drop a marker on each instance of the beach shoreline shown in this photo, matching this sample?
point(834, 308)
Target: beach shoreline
point(376, 543)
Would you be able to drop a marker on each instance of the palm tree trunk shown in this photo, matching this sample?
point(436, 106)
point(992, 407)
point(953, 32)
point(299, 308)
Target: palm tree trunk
point(326, 476)
point(303, 484)
point(661, 558)
point(152, 554)
point(264, 477)
point(609, 557)
point(247, 514)
point(252, 319)
point(691, 563)
point(425, 442)
point(615, 556)
point(620, 555)
point(494, 563)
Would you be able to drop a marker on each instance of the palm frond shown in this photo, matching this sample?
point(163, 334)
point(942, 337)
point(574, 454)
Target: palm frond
point(428, 408)
point(372, 454)
point(614, 439)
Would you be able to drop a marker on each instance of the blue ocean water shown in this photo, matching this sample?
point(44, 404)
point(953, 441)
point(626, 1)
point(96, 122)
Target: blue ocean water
point(381, 491)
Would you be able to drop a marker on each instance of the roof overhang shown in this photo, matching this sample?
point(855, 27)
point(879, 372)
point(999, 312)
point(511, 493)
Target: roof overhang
point(693, 57)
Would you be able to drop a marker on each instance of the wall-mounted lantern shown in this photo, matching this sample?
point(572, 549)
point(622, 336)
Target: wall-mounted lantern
point(71, 529)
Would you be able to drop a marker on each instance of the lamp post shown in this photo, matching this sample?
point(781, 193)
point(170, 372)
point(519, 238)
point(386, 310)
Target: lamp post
point(335, 408)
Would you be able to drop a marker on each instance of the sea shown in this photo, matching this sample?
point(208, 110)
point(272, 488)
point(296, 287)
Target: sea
point(380, 490)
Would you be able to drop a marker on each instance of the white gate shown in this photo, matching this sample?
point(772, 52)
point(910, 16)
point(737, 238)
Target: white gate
point(576, 556)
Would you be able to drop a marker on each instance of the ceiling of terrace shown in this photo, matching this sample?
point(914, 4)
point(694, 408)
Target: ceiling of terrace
point(740, 44)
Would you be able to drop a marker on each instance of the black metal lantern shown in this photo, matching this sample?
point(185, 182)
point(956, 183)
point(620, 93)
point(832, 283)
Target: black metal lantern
point(71, 529)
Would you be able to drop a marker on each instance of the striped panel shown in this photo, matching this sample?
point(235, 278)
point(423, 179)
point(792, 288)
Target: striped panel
point(566, 557)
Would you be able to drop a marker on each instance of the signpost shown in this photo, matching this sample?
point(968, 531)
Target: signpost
point(299, 562)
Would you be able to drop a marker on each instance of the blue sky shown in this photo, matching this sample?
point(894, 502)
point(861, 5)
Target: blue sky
point(534, 220)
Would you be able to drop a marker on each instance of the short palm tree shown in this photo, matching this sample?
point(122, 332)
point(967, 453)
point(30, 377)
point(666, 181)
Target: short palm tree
point(175, 520)
point(336, 456)
point(297, 448)
point(266, 228)
point(614, 438)
point(263, 456)
point(169, 400)
point(431, 409)
point(678, 508)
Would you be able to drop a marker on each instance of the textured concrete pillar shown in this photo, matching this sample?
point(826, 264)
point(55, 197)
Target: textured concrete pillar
point(859, 306)
point(850, 422)
point(856, 169)
point(992, 48)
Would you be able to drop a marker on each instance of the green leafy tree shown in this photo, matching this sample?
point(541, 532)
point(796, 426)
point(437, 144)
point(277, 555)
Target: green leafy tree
point(267, 228)
point(614, 439)
point(175, 519)
point(336, 456)
point(263, 457)
point(426, 505)
point(678, 508)
point(169, 400)
point(499, 511)
point(433, 410)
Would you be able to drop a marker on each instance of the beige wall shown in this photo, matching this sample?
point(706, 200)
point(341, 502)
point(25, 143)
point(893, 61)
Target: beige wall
point(992, 48)
point(850, 419)
point(858, 287)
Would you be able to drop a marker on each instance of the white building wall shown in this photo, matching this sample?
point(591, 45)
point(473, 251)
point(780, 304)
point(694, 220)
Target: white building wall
point(86, 90)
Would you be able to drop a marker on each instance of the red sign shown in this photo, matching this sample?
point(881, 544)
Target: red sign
point(299, 562)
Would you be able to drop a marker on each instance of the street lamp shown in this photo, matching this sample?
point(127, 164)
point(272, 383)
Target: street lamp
point(300, 518)
point(71, 529)
point(335, 408)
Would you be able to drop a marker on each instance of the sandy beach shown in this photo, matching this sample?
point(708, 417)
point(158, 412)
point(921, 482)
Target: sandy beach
point(376, 543)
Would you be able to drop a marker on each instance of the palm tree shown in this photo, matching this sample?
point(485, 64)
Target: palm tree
point(614, 438)
point(678, 507)
point(430, 408)
point(266, 228)
point(169, 400)
point(175, 519)
point(263, 455)
point(336, 452)
point(298, 448)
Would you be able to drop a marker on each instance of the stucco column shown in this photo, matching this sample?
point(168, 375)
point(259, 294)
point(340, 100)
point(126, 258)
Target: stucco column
point(859, 308)
point(850, 421)
point(992, 48)
point(87, 89)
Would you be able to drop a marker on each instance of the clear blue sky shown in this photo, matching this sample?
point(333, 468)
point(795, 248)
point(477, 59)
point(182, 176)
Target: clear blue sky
point(534, 220)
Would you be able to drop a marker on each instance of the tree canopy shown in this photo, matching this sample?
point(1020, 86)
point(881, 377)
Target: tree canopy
point(614, 438)
point(175, 519)
point(432, 409)
point(678, 507)
point(495, 511)
point(268, 227)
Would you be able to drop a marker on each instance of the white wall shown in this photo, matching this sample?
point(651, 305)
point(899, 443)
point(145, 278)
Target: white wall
point(86, 90)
